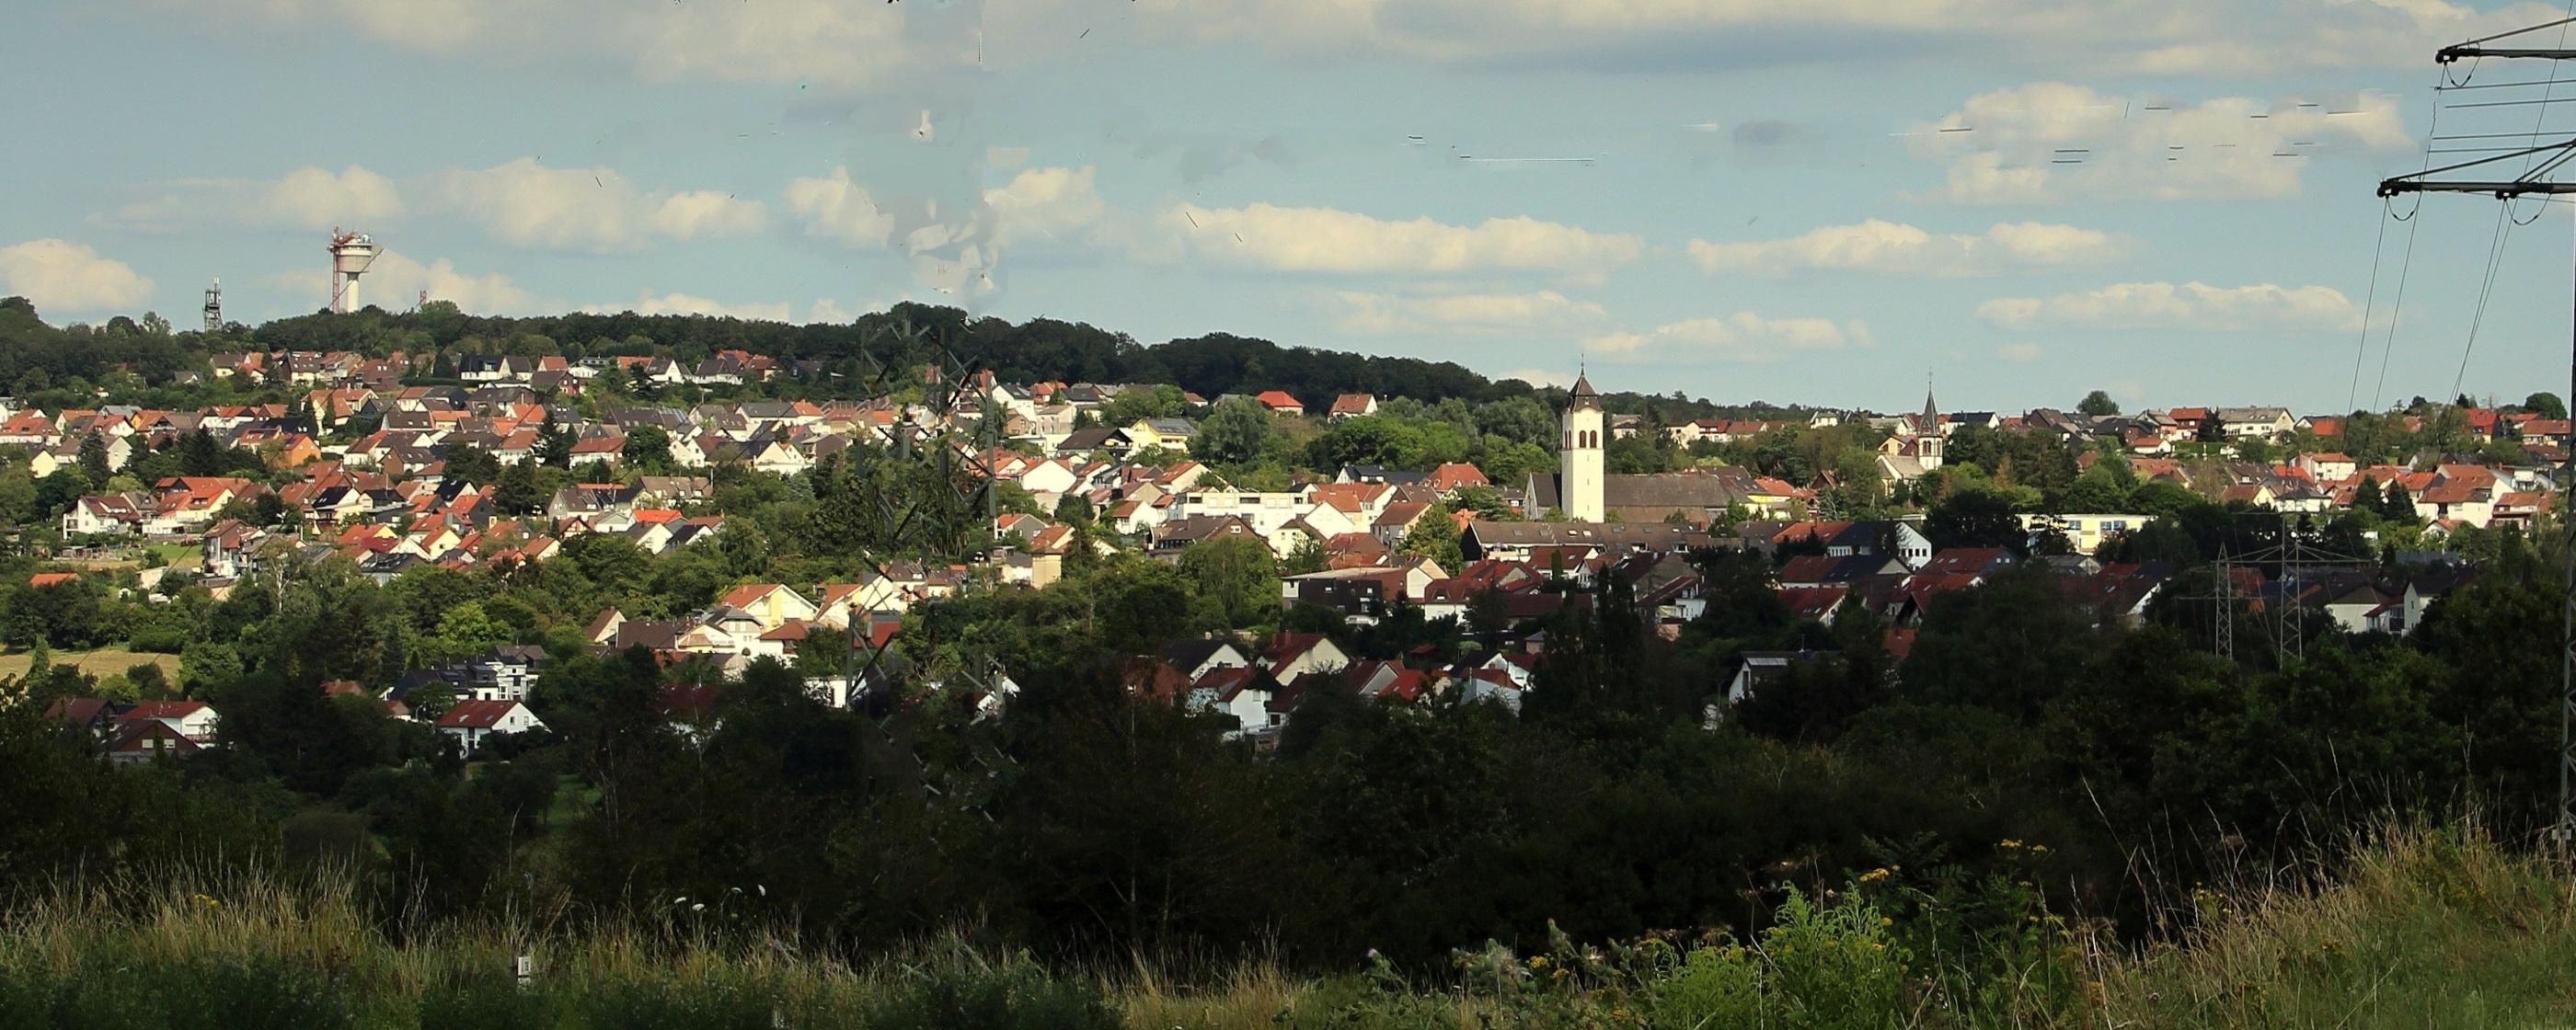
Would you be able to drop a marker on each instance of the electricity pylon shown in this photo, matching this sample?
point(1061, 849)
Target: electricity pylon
point(2534, 179)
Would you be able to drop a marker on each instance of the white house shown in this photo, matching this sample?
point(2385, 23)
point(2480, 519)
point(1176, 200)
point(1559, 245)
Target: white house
point(2266, 422)
point(195, 720)
point(1197, 658)
point(2087, 532)
point(2329, 468)
point(1291, 655)
point(773, 604)
point(470, 722)
point(1264, 512)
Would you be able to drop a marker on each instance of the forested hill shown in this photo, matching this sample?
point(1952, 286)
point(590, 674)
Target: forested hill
point(907, 335)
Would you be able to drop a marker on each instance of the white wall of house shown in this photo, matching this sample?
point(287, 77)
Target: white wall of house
point(1266, 512)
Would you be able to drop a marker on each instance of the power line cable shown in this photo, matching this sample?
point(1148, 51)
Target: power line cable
point(2505, 223)
point(2486, 288)
point(2414, 222)
point(2377, 249)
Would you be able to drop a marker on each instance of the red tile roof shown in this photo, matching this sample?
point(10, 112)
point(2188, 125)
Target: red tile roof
point(478, 715)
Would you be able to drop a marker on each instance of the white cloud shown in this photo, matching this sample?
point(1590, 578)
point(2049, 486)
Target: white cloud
point(1742, 337)
point(522, 203)
point(2019, 353)
point(650, 303)
point(828, 43)
point(70, 276)
point(1314, 239)
point(685, 216)
point(2097, 36)
point(1468, 314)
point(848, 44)
point(395, 281)
point(1059, 204)
point(2052, 141)
point(837, 208)
point(307, 198)
point(1892, 247)
point(2196, 306)
point(1540, 376)
point(317, 198)
point(596, 209)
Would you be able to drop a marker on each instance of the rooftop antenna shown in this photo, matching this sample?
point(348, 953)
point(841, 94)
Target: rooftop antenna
point(2533, 179)
point(215, 307)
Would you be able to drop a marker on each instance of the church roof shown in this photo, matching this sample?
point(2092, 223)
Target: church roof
point(1652, 495)
point(1583, 387)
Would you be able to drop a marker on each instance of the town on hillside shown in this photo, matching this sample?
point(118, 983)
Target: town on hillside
point(1248, 550)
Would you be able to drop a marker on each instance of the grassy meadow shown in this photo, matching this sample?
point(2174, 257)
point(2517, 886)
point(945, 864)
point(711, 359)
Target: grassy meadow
point(2419, 929)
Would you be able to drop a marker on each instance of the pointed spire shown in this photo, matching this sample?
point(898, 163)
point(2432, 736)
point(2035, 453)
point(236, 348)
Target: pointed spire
point(1583, 386)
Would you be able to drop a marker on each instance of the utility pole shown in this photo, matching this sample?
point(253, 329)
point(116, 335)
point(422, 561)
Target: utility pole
point(2225, 595)
point(2292, 589)
point(2532, 180)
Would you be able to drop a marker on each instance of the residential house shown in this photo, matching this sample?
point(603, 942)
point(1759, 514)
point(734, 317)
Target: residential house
point(2267, 423)
point(1287, 656)
point(1353, 405)
point(771, 604)
point(194, 720)
point(2086, 532)
point(1197, 658)
point(471, 723)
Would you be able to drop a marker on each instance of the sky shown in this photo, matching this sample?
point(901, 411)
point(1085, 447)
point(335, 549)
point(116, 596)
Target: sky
point(1828, 202)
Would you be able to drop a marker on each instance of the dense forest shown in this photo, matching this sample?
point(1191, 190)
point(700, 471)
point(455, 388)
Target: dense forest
point(41, 362)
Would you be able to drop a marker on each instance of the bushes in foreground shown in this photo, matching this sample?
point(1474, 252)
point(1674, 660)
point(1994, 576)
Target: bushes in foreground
point(2425, 928)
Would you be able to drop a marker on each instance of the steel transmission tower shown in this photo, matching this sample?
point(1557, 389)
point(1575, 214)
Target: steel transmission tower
point(2539, 163)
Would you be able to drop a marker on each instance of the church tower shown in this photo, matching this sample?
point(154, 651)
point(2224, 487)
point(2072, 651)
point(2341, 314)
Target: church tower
point(1580, 463)
point(1927, 440)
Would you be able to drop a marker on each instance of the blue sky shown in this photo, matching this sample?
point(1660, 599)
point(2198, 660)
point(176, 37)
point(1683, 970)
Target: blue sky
point(1742, 199)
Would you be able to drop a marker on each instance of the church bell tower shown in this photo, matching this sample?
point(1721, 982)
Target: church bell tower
point(1580, 465)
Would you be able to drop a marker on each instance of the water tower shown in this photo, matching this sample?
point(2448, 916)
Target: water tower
point(351, 253)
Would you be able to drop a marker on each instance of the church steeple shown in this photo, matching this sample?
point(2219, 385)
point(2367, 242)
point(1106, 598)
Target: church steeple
point(1927, 434)
point(1580, 461)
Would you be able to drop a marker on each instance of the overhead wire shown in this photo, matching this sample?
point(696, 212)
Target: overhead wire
point(2414, 222)
point(2560, 25)
point(2377, 249)
point(2497, 85)
point(2486, 289)
point(2505, 222)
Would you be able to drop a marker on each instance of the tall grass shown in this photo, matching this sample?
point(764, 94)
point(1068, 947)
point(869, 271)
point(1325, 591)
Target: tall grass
point(2422, 928)
point(249, 950)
